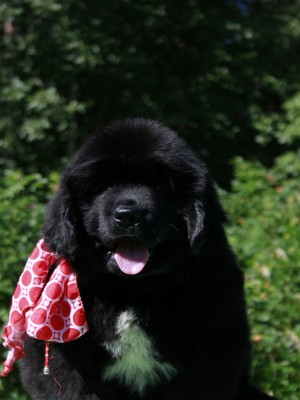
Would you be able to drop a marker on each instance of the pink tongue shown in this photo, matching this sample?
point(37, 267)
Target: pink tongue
point(131, 256)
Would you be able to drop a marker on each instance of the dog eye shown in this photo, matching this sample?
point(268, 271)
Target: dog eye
point(160, 187)
point(101, 189)
point(93, 191)
point(164, 186)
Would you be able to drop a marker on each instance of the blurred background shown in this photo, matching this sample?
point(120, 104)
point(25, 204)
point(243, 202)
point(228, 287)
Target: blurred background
point(224, 74)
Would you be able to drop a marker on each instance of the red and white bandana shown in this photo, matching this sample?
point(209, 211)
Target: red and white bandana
point(47, 310)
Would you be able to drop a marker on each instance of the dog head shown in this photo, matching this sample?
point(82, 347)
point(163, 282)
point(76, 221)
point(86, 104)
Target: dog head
point(135, 196)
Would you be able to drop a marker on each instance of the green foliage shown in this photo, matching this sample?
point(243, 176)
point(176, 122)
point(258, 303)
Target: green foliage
point(264, 231)
point(215, 71)
point(22, 200)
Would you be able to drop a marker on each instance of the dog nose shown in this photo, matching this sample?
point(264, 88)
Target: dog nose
point(126, 216)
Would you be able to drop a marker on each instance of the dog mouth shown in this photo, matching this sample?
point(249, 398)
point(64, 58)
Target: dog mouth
point(131, 255)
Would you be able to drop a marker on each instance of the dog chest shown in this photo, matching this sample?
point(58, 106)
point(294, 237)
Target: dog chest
point(136, 363)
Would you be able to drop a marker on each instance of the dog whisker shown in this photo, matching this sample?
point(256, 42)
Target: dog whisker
point(174, 227)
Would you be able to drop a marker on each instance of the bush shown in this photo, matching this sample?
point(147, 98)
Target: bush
point(264, 231)
point(22, 200)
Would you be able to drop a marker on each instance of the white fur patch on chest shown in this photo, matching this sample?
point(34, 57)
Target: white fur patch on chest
point(136, 362)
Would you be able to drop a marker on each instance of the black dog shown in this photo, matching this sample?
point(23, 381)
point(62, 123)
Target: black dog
point(138, 216)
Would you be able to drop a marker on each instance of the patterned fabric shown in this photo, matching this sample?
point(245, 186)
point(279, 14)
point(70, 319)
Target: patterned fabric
point(47, 310)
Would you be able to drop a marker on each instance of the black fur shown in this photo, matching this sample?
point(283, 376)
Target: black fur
point(188, 299)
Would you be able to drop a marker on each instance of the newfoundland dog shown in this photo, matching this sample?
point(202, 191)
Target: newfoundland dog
point(138, 217)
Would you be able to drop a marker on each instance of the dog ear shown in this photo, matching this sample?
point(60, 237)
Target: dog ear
point(60, 224)
point(194, 217)
point(204, 216)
